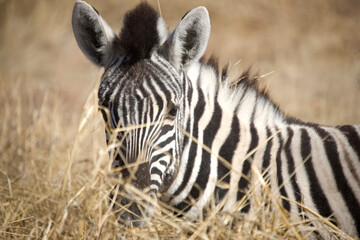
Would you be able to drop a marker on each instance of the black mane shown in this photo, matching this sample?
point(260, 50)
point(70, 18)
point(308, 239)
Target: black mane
point(139, 36)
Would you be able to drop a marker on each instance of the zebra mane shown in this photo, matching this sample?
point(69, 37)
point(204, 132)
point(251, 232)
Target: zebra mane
point(246, 78)
point(142, 32)
point(245, 84)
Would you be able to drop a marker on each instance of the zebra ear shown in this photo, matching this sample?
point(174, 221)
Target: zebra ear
point(93, 35)
point(189, 40)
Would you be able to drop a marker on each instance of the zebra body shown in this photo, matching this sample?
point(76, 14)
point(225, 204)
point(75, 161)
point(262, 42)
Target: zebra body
point(197, 138)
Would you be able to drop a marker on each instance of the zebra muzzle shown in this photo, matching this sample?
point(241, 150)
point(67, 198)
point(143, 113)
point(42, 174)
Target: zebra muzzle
point(134, 207)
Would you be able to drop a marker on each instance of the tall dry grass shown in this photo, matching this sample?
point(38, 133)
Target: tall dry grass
point(55, 174)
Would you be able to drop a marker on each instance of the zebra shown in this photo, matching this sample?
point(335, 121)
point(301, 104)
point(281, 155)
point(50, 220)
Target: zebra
point(196, 137)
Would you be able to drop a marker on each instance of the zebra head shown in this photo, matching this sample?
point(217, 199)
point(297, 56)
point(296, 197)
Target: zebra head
point(141, 94)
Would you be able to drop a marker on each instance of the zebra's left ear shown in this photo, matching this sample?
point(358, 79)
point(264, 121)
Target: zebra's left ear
point(189, 40)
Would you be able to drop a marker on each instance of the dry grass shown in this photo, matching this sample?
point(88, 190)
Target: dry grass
point(54, 170)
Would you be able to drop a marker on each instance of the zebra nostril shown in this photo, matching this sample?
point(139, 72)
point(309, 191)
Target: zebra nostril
point(139, 223)
point(152, 195)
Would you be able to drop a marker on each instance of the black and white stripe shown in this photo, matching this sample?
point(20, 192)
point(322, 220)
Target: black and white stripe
point(197, 137)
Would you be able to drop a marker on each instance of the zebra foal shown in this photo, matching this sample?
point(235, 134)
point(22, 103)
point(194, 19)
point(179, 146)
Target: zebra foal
point(186, 136)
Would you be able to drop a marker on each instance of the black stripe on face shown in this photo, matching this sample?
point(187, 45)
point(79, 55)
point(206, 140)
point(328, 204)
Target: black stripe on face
point(166, 128)
point(243, 182)
point(317, 194)
point(227, 152)
point(145, 111)
point(291, 167)
point(124, 111)
point(352, 137)
point(158, 101)
point(209, 136)
point(163, 162)
point(157, 171)
point(280, 180)
point(158, 80)
point(155, 100)
point(113, 108)
point(166, 142)
point(162, 69)
point(337, 170)
point(157, 157)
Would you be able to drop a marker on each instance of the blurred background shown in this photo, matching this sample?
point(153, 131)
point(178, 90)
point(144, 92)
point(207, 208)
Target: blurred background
point(54, 170)
point(311, 49)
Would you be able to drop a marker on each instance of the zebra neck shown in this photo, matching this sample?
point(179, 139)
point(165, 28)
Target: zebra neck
point(209, 95)
point(211, 120)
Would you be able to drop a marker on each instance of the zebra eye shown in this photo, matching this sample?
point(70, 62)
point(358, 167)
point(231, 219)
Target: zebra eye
point(172, 110)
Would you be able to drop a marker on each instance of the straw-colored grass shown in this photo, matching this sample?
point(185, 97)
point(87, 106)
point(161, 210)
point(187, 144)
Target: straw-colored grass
point(52, 189)
point(55, 174)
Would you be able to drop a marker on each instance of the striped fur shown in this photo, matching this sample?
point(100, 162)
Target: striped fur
point(194, 137)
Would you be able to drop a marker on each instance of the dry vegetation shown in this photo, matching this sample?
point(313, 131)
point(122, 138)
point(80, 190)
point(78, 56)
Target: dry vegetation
point(54, 170)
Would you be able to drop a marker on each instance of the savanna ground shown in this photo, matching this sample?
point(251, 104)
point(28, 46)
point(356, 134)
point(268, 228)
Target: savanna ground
point(55, 174)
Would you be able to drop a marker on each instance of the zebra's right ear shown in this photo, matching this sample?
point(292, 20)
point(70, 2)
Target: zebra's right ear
point(189, 40)
point(93, 35)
